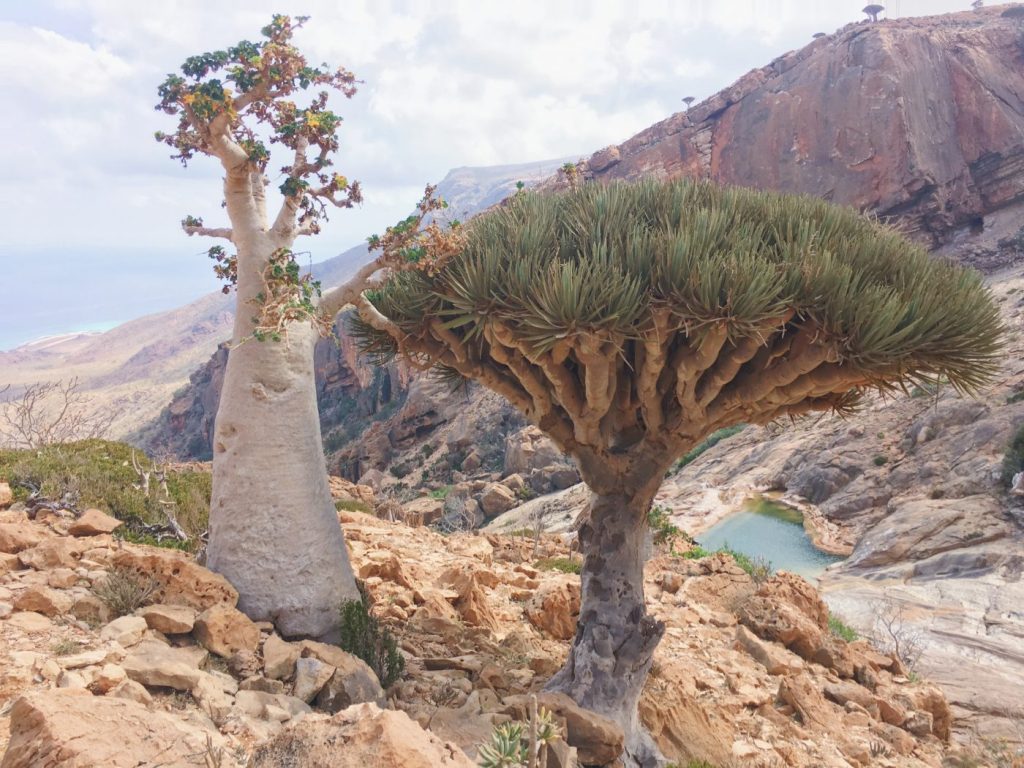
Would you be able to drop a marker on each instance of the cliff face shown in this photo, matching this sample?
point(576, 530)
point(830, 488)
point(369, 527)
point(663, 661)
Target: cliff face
point(921, 119)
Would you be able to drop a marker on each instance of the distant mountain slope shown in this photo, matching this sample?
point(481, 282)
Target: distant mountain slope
point(921, 119)
point(137, 366)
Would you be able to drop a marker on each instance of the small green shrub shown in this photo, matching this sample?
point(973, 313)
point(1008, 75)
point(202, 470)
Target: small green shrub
point(99, 473)
point(66, 647)
point(352, 505)
point(880, 460)
point(363, 636)
point(124, 591)
point(696, 553)
point(563, 564)
point(708, 442)
point(663, 530)
point(1016, 397)
point(441, 493)
point(1013, 461)
point(841, 629)
point(758, 568)
point(401, 469)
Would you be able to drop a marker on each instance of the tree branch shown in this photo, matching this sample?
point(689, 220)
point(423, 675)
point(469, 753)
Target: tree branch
point(224, 232)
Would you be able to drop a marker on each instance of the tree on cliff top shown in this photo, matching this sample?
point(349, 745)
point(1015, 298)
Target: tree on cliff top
point(630, 321)
point(274, 532)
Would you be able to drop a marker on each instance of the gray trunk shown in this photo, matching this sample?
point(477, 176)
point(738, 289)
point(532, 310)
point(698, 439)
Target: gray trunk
point(274, 532)
point(615, 638)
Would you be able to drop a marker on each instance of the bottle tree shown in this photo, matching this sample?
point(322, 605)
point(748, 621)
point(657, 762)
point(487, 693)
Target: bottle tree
point(628, 322)
point(274, 532)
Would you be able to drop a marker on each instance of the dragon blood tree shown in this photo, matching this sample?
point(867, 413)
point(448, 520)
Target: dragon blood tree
point(274, 532)
point(628, 322)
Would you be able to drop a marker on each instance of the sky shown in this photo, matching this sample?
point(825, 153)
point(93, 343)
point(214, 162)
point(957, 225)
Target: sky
point(90, 204)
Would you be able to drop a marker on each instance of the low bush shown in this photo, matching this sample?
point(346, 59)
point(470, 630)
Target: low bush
point(663, 530)
point(880, 460)
point(841, 629)
point(363, 636)
point(99, 473)
point(1013, 461)
point(708, 442)
point(124, 592)
point(352, 505)
point(562, 564)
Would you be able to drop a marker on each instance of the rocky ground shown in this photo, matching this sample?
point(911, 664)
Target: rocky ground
point(911, 489)
point(748, 674)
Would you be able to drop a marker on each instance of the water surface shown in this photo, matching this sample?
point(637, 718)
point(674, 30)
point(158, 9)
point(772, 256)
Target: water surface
point(765, 528)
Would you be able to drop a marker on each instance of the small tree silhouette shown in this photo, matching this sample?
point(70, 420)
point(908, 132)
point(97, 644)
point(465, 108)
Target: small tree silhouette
point(873, 10)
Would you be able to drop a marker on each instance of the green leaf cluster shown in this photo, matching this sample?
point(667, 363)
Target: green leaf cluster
point(602, 259)
point(363, 636)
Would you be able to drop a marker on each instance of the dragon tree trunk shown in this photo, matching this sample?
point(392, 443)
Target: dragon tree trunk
point(274, 532)
point(613, 650)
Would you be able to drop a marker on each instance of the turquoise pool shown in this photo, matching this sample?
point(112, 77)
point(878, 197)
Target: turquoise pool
point(765, 528)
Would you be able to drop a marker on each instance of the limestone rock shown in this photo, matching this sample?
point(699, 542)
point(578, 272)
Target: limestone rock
point(225, 630)
point(73, 728)
point(133, 691)
point(279, 658)
point(127, 630)
point(182, 581)
point(211, 698)
point(15, 537)
point(775, 659)
point(94, 522)
point(108, 678)
point(30, 621)
point(311, 675)
point(155, 664)
point(6, 496)
point(372, 737)
point(353, 682)
point(261, 705)
point(555, 606)
point(44, 600)
point(169, 619)
point(496, 498)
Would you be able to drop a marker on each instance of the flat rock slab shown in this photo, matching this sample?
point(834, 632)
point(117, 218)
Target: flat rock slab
point(67, 729)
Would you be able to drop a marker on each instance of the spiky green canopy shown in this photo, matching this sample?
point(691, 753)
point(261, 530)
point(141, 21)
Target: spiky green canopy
point(653, 313)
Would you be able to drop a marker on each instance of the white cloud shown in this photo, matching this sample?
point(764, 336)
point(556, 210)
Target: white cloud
point(446, 84)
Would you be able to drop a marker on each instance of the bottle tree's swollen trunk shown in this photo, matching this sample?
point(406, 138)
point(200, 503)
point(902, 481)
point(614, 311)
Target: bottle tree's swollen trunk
point(274, 531)
point(615, 638)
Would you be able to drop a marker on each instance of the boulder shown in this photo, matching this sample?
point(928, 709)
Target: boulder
point(555, 606)
point(279, 658)
point(182, 581)
point(30, 621)
point(353, 682)
point(58, 552)
point(529, 449)
point(774, 658)
point(15, 537)
point(212, 699)
point(94, 522)
point(6, 496)
point(74, 728)
point(90, 609)
point(127, 630)
point(270, 706)
point(311, 675)
point(155, 664)
point(107, 678)
point(782, 623)
point(423, 511)
point(44, 600)
point(496, 498)
point(225, 631)
point(169, 619)
point(372, 737)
